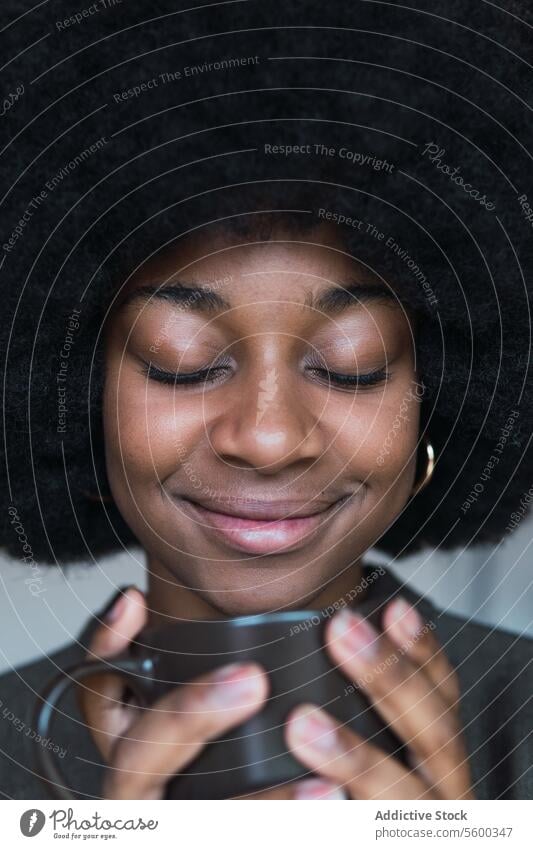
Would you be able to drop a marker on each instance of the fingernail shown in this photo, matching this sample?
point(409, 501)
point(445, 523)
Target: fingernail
point(313, 728)
point(406, 617)
point(356, 633)
point(234, 685)
point(116, 610)
point(316, 788)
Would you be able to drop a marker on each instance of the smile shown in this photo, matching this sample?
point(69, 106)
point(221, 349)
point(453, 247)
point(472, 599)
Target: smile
point(260, 534)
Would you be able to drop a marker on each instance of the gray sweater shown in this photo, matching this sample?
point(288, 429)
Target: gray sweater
point(495, 670)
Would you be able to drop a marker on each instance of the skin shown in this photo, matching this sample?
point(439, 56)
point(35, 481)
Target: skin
point(316, 443)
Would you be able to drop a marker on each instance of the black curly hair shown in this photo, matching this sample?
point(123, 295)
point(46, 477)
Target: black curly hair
point(133, 124)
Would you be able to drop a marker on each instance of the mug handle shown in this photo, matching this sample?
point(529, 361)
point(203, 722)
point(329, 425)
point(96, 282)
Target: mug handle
point(126, 665)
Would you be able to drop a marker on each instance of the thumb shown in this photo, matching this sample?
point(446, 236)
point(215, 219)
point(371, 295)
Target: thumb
point(120, 624)
point(100, 696)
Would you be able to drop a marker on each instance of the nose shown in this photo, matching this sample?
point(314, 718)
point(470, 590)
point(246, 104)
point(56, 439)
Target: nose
point(266, 424)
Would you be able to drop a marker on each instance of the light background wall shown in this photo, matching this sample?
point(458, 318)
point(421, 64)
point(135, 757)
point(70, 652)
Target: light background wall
point(493, 585)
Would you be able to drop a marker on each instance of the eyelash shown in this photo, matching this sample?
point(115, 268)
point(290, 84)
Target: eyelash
point(354, 381)
point(212, 374)
point(191, 378)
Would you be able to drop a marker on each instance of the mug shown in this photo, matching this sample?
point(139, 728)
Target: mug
point(252, 756)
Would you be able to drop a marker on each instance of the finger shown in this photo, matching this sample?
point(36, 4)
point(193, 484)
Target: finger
point(405, 697)
point(416, 638)
point(100, 696)
point(120, 625)
point(307, 788)
point(166, 737)
point(349, 761)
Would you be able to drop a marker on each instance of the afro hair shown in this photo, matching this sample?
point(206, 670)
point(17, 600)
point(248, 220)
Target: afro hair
point(128, 125)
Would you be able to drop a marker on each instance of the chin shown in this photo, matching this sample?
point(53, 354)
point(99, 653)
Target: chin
point(248, 603)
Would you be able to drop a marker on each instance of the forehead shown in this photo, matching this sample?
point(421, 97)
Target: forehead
point(215, 272)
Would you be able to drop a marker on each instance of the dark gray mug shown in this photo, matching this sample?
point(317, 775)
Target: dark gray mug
point(253, 755)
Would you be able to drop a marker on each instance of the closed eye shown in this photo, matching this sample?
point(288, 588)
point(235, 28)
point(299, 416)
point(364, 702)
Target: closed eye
point(352, 381)
point(216, 371)
point(206, 375)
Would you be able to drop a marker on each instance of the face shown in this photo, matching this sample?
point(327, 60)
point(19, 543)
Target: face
point(261, 415)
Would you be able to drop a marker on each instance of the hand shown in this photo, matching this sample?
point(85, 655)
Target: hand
point(407, 676)
point(145, 747)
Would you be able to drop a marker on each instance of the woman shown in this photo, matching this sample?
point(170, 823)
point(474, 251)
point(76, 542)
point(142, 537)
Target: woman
point(267, 356)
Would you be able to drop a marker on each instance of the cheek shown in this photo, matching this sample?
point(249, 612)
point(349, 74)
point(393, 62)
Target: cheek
point(396, 437)
point(147, 433)
point(379, 438)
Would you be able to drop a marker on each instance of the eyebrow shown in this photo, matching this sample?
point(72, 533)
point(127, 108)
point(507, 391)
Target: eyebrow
point(188, 296)
point(200, 297)
point(338, 298)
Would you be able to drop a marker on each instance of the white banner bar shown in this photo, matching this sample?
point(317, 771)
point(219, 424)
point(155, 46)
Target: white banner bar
point(251, 825)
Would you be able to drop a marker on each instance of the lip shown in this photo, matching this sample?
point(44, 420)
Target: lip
point(265, 529)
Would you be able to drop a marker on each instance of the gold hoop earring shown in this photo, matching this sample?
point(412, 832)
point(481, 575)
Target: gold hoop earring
point(430, 466)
